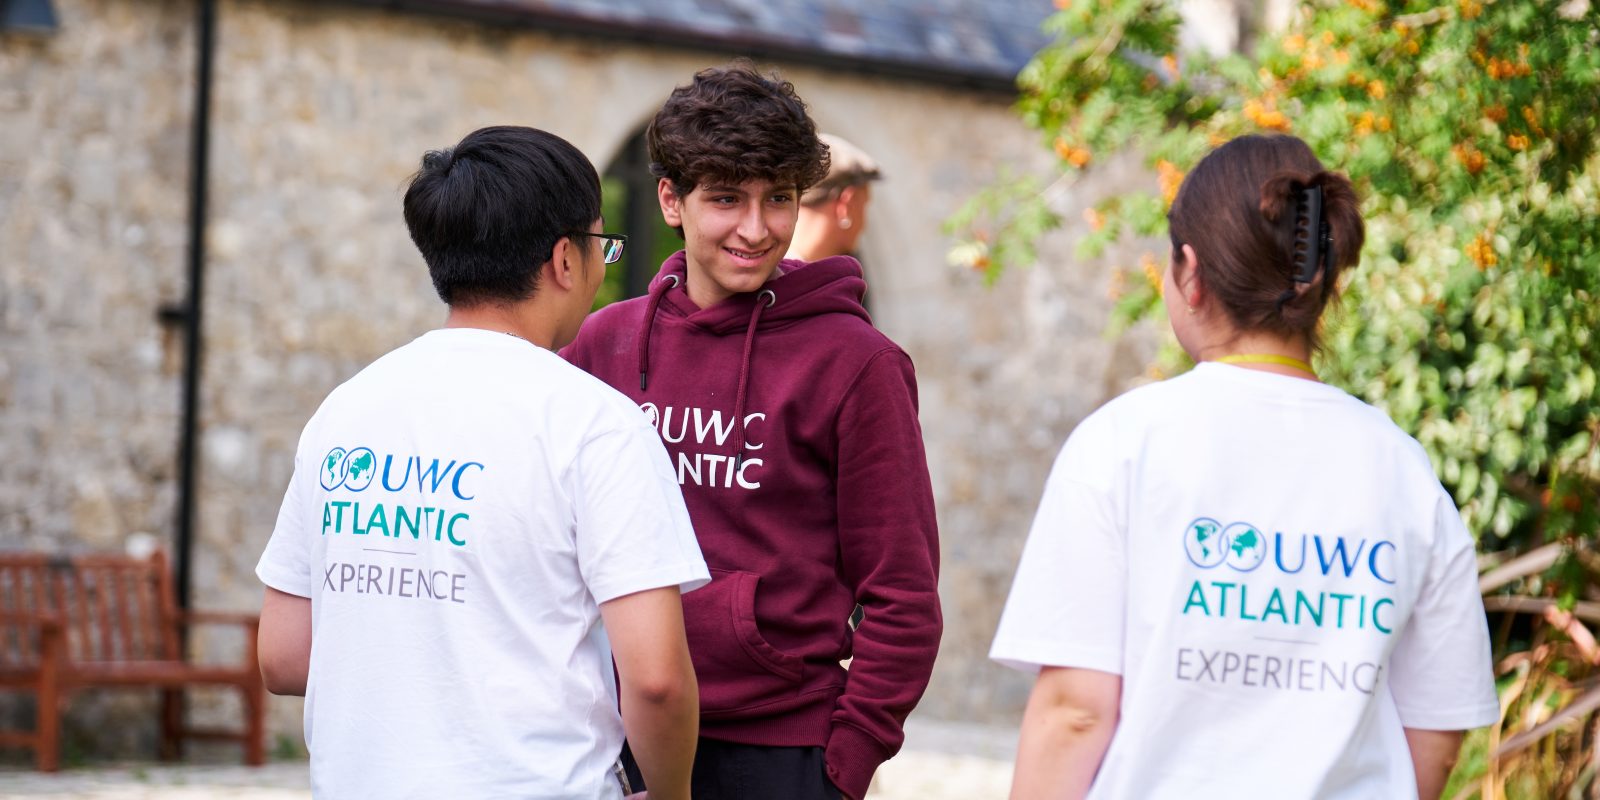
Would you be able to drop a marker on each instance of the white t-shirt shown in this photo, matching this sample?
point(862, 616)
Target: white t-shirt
point(458, 511)
point(1275, 572)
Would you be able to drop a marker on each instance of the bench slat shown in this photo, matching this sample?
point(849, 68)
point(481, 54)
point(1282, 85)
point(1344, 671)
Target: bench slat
point(11, 637)
point(103, 587)
point(70, 586)
point(40, 581)
point(10, 645)
point(142, 634)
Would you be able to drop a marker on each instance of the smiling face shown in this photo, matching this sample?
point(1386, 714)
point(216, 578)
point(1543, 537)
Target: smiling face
point(734, 233)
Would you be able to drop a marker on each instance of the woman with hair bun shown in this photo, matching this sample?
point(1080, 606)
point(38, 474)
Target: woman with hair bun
point(1242, 582)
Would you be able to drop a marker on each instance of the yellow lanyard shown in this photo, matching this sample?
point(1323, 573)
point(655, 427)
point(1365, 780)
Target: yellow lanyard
point(1269, 358)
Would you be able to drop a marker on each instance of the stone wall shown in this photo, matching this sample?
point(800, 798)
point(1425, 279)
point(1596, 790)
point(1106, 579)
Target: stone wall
point(93, 164)
point(94, 132)
point(321, 112)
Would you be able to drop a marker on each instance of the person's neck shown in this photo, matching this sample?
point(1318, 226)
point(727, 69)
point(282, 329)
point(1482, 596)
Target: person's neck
point(516, 320)
point(810, 241)
point(1246, 350)
point(704, 293)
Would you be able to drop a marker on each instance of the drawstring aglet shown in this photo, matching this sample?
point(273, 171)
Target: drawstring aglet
point(642, 380)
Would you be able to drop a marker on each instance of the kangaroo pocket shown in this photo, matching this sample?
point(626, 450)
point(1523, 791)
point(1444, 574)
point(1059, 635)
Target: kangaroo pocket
point(737, 668)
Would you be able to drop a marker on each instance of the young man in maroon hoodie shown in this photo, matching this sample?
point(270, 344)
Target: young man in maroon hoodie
point(792, 426)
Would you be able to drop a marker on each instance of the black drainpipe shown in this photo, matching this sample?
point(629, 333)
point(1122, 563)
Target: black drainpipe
point(206, 34)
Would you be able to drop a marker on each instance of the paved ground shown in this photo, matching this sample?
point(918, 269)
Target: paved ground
point(940, 762)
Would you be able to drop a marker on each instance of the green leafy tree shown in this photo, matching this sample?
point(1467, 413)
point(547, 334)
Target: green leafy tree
point(1470, 129)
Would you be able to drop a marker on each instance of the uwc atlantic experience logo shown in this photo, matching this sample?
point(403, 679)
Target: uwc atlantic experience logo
point(1251, 567)
point(438, 489)
point(350, 469)
point(417, 500)
point(1209, 544)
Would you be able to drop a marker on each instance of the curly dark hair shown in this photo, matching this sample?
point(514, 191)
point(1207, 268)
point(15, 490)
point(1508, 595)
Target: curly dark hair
point(734, 124)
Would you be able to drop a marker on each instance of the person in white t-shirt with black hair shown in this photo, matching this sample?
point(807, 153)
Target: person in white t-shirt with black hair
point(1242, 582)
point(468, 510)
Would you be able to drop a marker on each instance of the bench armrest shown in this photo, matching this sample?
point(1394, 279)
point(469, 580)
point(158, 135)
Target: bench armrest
point(46, 620)
point(52, 635)
point(218, 618)
point(250, 622)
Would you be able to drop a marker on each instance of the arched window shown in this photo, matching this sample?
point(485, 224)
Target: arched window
point(630, 206)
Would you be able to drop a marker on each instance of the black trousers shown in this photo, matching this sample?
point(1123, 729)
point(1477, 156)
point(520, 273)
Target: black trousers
point(729, 771)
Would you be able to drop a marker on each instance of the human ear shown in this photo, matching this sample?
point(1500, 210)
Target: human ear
point(1188, 278)
point(842, 206)
point(561, 258)
point(671, 204)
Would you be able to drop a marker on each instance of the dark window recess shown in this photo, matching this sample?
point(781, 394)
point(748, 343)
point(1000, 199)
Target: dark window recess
point(27, 16)
point(630, 206)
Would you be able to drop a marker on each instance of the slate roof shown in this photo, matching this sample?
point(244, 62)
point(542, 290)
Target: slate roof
point(978, 43)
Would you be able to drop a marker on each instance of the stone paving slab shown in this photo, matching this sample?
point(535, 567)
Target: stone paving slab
point(280, 781)
point(940, 762)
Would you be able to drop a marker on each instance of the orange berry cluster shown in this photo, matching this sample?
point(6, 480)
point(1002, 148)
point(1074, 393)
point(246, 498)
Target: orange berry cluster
point(1481, 251)
point(1471, 158)
point(1073, 154)
point(1265, 115)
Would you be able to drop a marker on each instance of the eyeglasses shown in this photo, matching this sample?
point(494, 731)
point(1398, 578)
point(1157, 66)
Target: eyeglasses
point(614, 242)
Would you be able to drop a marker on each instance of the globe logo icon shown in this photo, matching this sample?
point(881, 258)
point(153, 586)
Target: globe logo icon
point(1245, 548)
point(358, 468)
point(1206, 543)
point(333, 469)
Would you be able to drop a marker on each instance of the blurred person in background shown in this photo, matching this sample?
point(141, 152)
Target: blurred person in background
point(1243, 582)
point(833, 213)
point(792, 424)
point(467, 510)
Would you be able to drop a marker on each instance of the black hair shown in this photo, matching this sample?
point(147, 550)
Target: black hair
point(487, 213)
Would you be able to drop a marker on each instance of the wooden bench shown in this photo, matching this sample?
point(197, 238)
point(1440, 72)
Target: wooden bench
point(112, 621)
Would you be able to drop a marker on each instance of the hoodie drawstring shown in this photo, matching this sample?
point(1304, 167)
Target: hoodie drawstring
point(657, 291)
point(770, 297)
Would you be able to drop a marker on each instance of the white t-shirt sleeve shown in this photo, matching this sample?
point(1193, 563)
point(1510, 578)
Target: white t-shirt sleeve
point(286, 565)
point(632, 529)
point(1441, 672)
point(1067, 602)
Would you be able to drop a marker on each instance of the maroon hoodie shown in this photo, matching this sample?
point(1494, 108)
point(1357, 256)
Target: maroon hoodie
point(792, 426)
